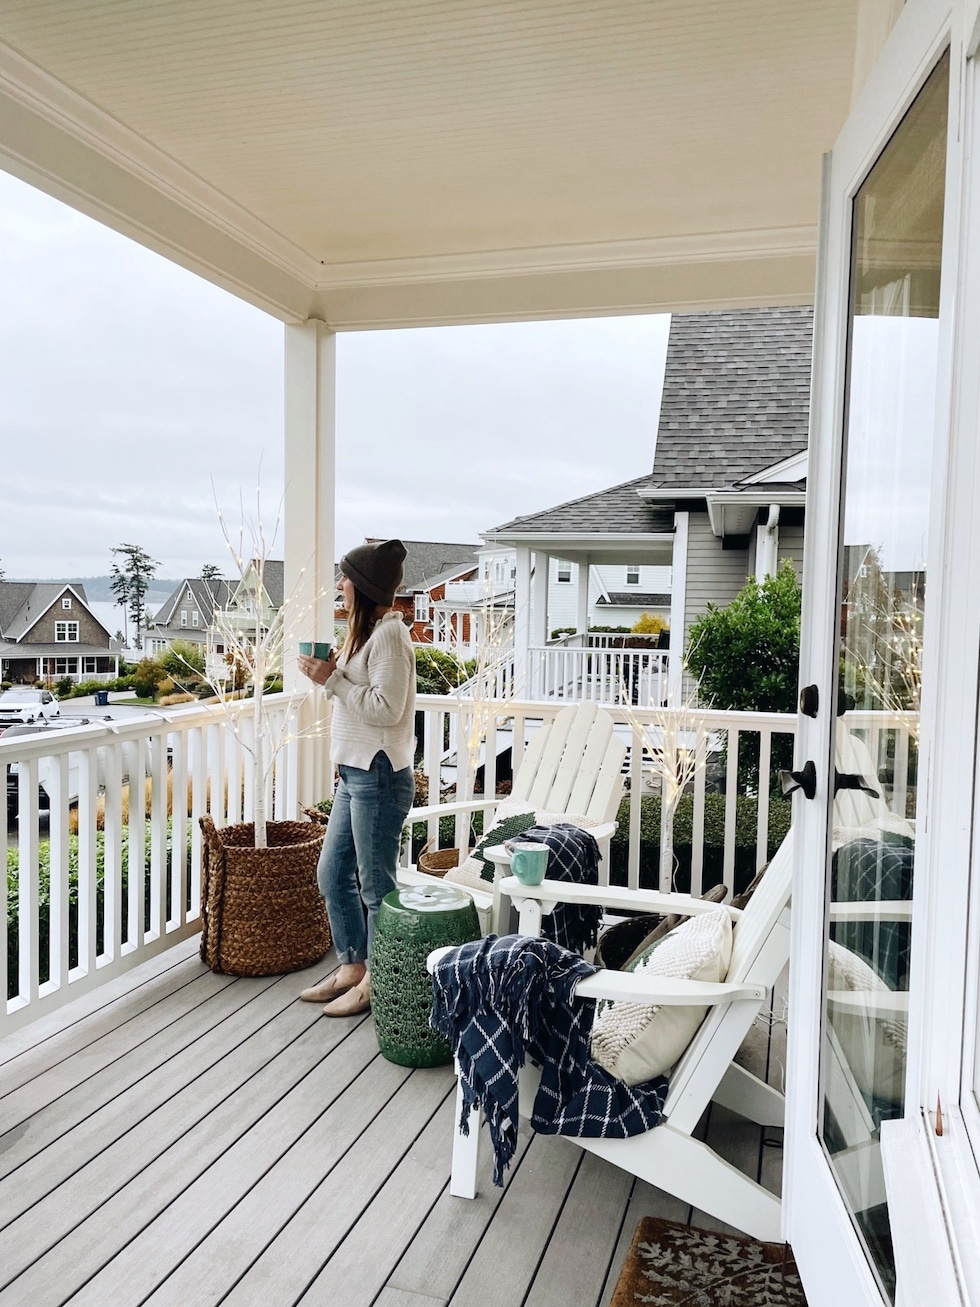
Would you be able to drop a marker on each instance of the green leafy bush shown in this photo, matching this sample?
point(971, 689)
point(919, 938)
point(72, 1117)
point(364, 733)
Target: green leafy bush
point(438, 672)
point(147, 676)
point(44, 899)
point(746, 656)
point(182, 658)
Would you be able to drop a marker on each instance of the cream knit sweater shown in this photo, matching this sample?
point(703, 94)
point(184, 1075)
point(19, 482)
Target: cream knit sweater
point(374, 699)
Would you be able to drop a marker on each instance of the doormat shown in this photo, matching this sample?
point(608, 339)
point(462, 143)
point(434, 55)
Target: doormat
point(673, 1265)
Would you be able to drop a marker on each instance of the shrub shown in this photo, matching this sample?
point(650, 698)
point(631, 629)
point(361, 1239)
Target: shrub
point(649, 624)
point(63, 687)
point(747, 656)
point(147, 676)
point(183, 657)
point(44, 899)
point(438, 672)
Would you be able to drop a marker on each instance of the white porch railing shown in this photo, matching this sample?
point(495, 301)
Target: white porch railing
point(573, 673)
point(134, 791)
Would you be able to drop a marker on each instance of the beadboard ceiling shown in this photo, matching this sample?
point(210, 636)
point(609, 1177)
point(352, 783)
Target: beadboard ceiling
point(379, 162)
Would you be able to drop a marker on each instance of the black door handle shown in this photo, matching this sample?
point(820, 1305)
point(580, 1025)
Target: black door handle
point(805, 780)
point(844, 780)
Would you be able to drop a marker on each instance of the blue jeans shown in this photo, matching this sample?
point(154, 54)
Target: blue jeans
point(360, 851)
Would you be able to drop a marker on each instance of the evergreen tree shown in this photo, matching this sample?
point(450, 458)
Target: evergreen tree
point(130, 582)
point(210, 572)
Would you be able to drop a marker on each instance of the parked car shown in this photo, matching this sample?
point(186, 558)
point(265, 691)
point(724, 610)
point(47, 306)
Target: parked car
point(26, 703)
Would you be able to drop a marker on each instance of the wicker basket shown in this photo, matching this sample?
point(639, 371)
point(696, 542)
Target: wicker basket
point(436, 862)
point(261, 911)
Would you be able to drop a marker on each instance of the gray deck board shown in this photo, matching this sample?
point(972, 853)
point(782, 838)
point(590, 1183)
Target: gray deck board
point(195, 1139)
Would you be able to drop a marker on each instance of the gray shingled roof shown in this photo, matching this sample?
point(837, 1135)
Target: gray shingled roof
point(22, 603)
point(425, 560)
point(736, 395)
point(631, 599)
point(617, 509)
point(208, 594)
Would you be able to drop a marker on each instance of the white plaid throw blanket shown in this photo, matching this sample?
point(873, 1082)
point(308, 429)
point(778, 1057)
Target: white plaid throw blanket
point(499, 1000)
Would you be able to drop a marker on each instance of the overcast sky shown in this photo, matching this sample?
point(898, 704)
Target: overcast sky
point(127, 384)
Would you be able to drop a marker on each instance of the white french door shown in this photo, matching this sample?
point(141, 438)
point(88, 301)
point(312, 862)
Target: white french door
point(876, 389)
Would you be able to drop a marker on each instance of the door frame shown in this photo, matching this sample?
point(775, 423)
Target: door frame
point(817, 1223)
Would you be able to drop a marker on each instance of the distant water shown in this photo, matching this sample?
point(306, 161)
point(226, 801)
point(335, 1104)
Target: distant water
point(111, 615)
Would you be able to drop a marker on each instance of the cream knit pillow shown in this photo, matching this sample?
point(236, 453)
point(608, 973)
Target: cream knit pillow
point(873, 1042)
point(635, 1041)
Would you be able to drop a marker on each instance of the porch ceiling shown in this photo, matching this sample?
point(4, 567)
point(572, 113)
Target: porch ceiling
point(375, 163)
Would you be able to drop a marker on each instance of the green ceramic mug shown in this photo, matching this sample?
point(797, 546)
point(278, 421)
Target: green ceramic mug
point(315, 649)
point(529, 861)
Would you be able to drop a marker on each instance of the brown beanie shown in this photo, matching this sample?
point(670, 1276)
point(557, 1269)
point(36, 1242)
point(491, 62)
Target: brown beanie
point(376, 570)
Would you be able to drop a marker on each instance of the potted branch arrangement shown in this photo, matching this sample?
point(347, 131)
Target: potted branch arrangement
point(262, 913)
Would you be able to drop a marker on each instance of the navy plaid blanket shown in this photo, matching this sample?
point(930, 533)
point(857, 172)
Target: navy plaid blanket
point(574, 858)
point(499, 1001)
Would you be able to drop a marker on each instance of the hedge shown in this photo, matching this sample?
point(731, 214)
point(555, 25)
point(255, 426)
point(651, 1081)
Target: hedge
point(44, 891)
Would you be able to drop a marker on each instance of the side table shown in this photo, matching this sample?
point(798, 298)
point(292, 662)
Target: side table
point(411, 923)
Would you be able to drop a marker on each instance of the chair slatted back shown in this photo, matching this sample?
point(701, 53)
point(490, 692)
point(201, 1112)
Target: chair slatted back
point(574, 765)
point(760, 950)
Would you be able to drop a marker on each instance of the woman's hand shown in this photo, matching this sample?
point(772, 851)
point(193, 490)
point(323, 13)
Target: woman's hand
point(319, 670)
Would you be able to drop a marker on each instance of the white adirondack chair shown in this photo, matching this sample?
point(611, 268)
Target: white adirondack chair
point(573, 769)
point(669, 1156)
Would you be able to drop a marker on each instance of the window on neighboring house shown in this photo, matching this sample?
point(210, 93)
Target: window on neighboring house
point(564, 571)
point(183, 617)
point(219, 648)
point(66, 632)
point(195, 618)
point(61, 667)
point(422, 607)
point(66, 602)
point(633, 576)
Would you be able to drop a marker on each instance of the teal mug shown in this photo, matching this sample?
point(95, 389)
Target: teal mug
point(529, 861)
point(315, 649)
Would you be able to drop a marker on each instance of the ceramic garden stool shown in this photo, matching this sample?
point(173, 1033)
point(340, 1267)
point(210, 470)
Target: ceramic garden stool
point(411, 923)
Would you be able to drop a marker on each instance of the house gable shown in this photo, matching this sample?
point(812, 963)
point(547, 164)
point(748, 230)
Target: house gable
point(46, 609)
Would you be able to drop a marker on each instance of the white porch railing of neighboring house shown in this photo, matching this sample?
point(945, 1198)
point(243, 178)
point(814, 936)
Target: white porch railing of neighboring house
point(576, 673)
point(189, 762)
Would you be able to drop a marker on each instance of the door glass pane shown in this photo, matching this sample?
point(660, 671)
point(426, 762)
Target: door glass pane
point(891, 389)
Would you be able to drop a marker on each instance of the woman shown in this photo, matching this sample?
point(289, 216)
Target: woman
point(372, 683)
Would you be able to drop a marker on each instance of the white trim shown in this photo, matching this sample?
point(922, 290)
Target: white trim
point(788, 469)
point(826, 1246)
point(678, 606)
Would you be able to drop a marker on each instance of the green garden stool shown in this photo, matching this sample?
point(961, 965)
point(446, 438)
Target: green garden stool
point(411, 923)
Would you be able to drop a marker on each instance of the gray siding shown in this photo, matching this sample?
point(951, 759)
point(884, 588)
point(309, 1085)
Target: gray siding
point(791, 546)
point(714, 575)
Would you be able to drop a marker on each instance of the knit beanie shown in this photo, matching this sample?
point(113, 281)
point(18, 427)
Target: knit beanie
point(376, 569)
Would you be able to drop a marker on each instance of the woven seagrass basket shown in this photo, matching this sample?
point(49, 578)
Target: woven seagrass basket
point(436, 862)
point(261, 910)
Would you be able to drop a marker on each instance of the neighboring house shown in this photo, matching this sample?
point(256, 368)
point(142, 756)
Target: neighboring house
point(186, 615)
point(429, 567)
point(725, 499)
point(48, 631)
point(245, 610)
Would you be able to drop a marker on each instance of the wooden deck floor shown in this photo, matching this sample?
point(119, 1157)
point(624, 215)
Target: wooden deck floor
point(185, 1138)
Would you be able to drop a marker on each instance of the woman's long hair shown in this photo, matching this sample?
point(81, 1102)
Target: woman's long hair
point(360, 624)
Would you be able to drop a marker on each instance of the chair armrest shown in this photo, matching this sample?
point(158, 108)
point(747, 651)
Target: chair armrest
point(872, 910)
point(609, 896)
point(437, 955)
point(636, 987)
point(449, 809)
point(633, 987)
point(500, 857)
point(880, 1003)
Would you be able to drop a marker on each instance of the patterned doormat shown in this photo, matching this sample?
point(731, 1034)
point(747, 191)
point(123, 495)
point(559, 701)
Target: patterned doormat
point(672, 1265)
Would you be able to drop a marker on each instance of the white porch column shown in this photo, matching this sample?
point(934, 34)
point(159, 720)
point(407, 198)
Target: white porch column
point(539, 598)
point(522, 619)
point(582, 611)
point(308, 518)
point(678, 606)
